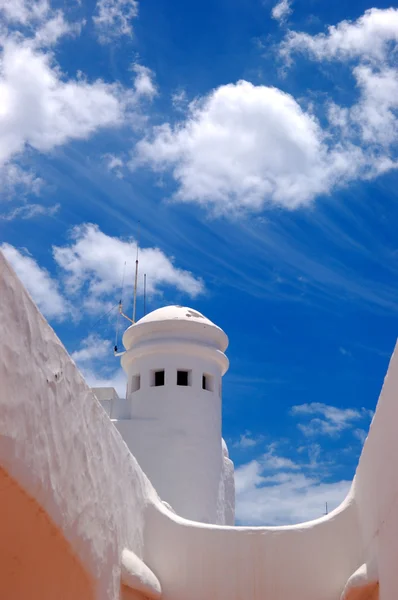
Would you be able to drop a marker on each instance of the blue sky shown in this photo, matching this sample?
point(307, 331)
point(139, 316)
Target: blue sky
point(256, 144)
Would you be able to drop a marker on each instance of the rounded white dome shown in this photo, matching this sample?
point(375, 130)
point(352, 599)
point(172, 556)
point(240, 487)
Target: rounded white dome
point(170, 313)
point(175, 321)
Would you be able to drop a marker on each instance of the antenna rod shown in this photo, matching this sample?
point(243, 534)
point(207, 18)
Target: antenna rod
point(136, 277)
point(144, 294)
point(120, 312)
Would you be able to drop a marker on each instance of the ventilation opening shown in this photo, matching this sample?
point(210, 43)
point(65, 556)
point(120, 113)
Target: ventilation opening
point(135, 383)
point(207, 382)
point(157, 378)
point(183, 378)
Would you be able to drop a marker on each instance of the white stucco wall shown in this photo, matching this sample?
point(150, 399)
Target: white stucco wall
point(226, 494)
point(59, 444)
point(376, 486)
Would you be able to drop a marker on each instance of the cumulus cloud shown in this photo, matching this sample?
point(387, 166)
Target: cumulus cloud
point(244, 146)
point(369, 37)
point(24, 12)
point(368, 46)
point(41, 110)
point(375, 115)
point(281, 10)
point(92, 348)
point(90, 271)
point(41, 107)
point(248, 147)
point(93, 264)
point(328, 420)
point(275, 490)
point(113, 18)
point(39, 283)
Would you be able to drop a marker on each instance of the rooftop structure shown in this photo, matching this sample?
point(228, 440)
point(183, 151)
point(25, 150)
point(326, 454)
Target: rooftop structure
point(171, 418)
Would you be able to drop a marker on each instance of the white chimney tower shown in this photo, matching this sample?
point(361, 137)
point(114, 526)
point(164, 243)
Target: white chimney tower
point(174, 362)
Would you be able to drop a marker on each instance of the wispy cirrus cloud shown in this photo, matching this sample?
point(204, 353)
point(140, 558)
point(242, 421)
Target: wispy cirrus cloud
point(328, 420)
point(30, 211)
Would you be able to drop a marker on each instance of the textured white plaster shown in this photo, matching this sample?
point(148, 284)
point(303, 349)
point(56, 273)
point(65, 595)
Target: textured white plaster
point(59, 444)
point(364, 576)
point(136, 575)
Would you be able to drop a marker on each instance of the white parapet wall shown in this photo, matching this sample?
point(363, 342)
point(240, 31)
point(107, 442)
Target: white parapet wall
point(59, 445)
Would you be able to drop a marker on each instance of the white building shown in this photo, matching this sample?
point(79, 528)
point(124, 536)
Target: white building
point(171, 418)
point(79, 518)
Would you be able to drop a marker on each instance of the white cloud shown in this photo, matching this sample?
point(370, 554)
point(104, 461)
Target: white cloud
point(248, 440)
point(272, 461)
point(330, 420)
point(41, 108)
point(114, 164)
point(39, 283)
point(180, 100)
point(143, 84)
point(274, 490)
point(93, 264)
point(376, 112)
point(16, 181)
point(91, 269)
point(115, 379)
point(344, 351)
point(366, 38)
point(285, 500)
point(24, 12)
point(114, 18)
point(30, 211)
point(360, 434)
point(53, 29)
point(244, 146)
point(368, 46)
point(92, 348)
point(281, 10)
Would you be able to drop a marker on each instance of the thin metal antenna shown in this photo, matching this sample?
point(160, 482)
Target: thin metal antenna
point(136, 276)
point(120, 312)
point(144, 294)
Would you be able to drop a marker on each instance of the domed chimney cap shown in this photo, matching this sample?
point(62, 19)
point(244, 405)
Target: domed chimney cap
point(175, 321)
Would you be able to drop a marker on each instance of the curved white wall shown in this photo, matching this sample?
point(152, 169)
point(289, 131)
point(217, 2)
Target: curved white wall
point(60, 446)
